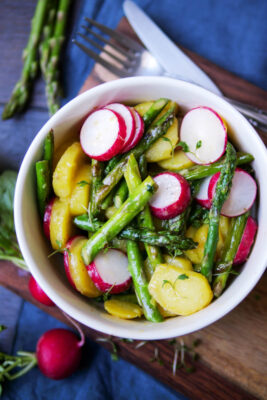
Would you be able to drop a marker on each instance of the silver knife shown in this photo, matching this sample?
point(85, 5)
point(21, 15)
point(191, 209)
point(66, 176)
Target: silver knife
point(176, 63)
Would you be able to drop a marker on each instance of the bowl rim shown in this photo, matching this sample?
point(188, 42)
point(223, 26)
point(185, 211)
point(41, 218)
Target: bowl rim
point(88, 320)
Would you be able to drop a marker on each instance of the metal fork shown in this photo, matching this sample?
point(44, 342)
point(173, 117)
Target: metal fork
point(124, 57)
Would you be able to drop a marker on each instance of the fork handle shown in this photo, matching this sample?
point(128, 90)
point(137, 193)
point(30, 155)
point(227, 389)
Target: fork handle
point(256, 116)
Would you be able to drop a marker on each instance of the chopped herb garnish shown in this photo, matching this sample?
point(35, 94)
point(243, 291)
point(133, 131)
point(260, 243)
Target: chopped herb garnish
point(140, 344)
point(2, 328)
point(199, 144)
point(82, 183)
point(150, 188)
point(165, 281)
point(182, 277)
point(184, 146)
point(114, 354)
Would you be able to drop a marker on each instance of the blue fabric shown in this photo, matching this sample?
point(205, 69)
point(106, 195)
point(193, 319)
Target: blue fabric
point(232, 34)
point(99, 378)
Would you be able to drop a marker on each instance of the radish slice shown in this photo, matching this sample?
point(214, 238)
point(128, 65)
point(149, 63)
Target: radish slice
point(103, 134)
point(205, 134)
point(246, 241)
point(109, 271)
point(172, 196)
point(47, 218)
point(202, 196)
point(242, 194)
point(126, 113)
point(139, 131)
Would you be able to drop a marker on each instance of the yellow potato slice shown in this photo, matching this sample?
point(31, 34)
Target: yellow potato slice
point(165, 313)
point(78, 271)
point(163, 147)
point(177, 162)
point(142, 108)
point(180, 262)
point(66, 169)
point(80, 194)
point(179, 291)
point(61, 226)
point(123, 309)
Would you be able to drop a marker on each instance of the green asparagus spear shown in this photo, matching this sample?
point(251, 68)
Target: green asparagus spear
point(148, 118)
point(97, 171)
point(135, 265)
point(143, 166)
point(49, 149)
point(142, 234)
point(44, 47)
point(133, 179)
point(121, 194)
point(107, 202)
point(222, 191)
point(51, 70)
point(128, 211)
point(154, 133)
point(154, 111)
point(202, 171)
point(231, 248)
point(21, 91)
point(43, 177)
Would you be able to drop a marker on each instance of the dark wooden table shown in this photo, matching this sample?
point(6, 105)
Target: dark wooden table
point(233, 350)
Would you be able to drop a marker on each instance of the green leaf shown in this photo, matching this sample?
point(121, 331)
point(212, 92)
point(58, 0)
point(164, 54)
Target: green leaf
point(150, 188)
point(2, 328)
point(182, 277)
point(164, 282)
point(82, 183)
point(199, 144)
point(184, 146)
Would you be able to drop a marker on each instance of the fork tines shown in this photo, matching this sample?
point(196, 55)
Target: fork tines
point(119, 55)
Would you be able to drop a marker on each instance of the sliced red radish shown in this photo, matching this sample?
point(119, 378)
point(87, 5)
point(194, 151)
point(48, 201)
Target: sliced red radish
point(109, 271)
point(242, 194)
point(38, 293)
point(172, 196)
point(202, 196)
point(103, 134)
point(205, 134)
point(126, 113)
point(139, 131)
point(246, 241)
point(47, 218)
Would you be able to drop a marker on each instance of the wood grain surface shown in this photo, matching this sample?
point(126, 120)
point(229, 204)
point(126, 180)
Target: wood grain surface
point(233, 350)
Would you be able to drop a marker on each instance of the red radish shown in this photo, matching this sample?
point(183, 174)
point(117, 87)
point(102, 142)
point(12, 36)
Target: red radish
point(102, 135)
point(126, 113)
point(139, 131)
point(47, 218)
point(172, 196)
point(205, 134)
point(38, 293)
point(242, 194)
point(202, 196)
point(59, 353)
point(109, 271)
point(246, 241)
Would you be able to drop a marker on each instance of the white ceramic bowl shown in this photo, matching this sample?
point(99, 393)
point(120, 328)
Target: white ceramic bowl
point(35, 249)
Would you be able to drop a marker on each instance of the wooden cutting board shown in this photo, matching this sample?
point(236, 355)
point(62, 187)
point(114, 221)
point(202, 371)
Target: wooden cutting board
point(233, 351)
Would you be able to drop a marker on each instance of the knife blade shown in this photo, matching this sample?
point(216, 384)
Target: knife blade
point(167, 53)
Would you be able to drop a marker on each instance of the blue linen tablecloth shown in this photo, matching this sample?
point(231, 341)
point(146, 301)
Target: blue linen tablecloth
point(232, 34)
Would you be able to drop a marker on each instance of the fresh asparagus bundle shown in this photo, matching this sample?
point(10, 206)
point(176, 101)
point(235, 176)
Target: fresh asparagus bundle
point(128, 211)
point(115, 175)
point(21, 92)
point(50, 67)
point(225, 265)
point(221, 193)
point(97, 172)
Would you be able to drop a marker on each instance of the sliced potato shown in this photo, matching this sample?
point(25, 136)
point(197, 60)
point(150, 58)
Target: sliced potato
point(180, 262)
point(66, 169)
point(163, 147)
point(80, 194)
point(78, 271)
point(123, 309)
point(165, 313)
point(177, 162)
point(61, 225)
point(142, 108)
point(179, 291)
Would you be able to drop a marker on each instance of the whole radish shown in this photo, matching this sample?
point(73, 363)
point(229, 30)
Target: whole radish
point(59, 353)
point(38, 293)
